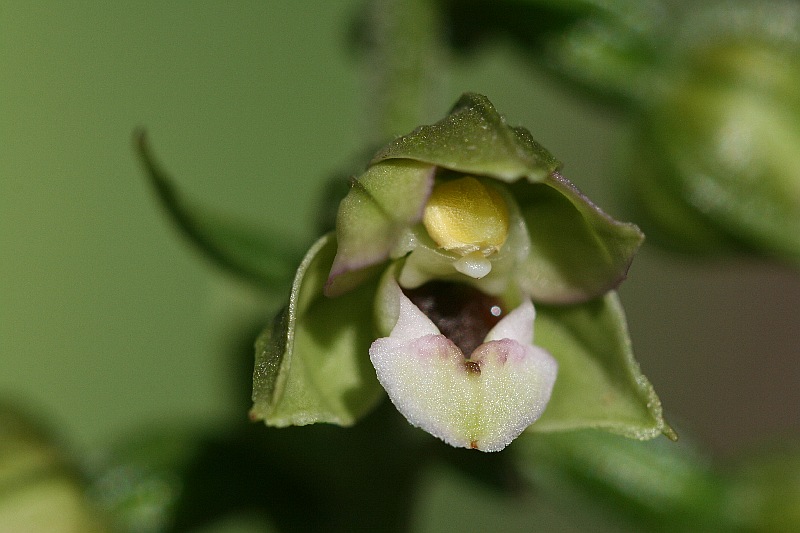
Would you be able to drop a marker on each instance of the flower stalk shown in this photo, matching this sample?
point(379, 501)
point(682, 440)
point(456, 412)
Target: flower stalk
point(405, 57)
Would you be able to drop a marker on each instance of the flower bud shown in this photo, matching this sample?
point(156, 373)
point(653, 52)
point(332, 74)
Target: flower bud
point(717, 160)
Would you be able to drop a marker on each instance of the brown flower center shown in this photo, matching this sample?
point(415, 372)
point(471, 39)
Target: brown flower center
point(462, 313)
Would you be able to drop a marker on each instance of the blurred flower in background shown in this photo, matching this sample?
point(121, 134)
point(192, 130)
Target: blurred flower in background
point(715, 159)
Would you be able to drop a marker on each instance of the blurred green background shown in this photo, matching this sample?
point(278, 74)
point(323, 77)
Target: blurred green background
point(110, 323)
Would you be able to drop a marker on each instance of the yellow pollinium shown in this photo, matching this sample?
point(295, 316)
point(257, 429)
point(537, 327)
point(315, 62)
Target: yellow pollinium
point(465, 216)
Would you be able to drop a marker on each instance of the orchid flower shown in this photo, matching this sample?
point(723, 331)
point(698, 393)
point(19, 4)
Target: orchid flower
point(459, 241)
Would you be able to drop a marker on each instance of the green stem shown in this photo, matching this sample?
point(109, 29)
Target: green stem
point(405, 65)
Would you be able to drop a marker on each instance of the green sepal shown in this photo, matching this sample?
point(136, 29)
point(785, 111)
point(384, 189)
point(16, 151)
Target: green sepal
point(577, 251)
point(374, 216)
point(253, 254)
point(475, 139)
point(599, 382)
point(312, 363)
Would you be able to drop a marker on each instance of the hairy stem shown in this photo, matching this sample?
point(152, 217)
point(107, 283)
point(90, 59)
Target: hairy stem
point(406, 57)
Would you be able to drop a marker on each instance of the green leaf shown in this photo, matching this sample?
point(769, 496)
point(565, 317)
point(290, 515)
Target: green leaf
point(40, 491)
point(380, 207)
point(599, 384)
point(577, 251)
point(312, 364)
point(260, 258)
point(475, 139)
point(656, 485)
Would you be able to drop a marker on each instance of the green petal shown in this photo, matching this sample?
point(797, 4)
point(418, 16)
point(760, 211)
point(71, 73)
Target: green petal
point(577, 251)
point(312, 364)
point(599, 383)
point(374, 216)
point(475, 139)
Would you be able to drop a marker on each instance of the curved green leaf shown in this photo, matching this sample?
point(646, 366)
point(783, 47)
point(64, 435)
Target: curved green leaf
point(474, 138)
point(312, 364)
point(263, 259)
point(577, 251)
point(599, 383)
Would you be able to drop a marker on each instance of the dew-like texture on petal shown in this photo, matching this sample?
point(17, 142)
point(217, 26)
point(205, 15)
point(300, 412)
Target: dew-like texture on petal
point(516, 381)
point(475, 139)
point(475, 265)
point(483, 402)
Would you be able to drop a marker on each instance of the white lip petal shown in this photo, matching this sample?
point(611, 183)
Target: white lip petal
point(483, 402)
point(411, 322)
point(516, 382)
point(517, 325)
